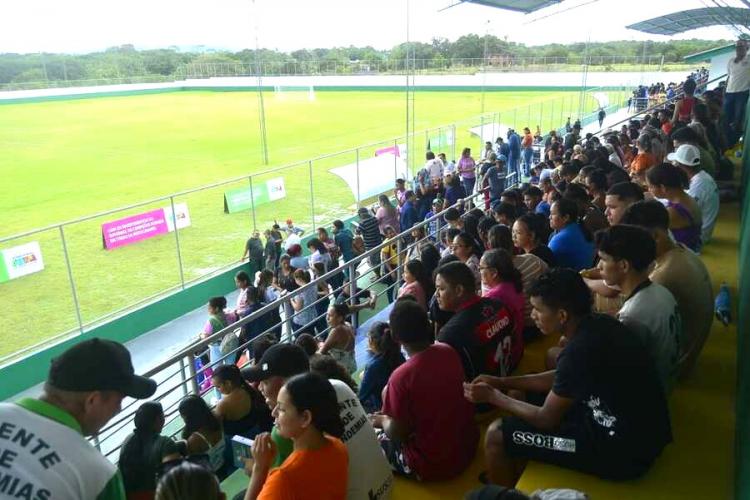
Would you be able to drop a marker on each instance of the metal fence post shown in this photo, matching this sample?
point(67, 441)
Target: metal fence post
point(288, 313)
point(396, 156)
point(358, 191)
point(193, 374)
point(541, 116)
point(353, 292)
point(455, 139)
point(399, 249)
point(177, 242)
point(72, 281)
point(312, 195)
point(183, 378)
point(252, 202)
point(481, 134)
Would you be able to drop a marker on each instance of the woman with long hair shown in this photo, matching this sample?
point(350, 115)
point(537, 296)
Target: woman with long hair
point(467, 169)
point(465, 249)
point(242, 408)
point(340, 342)
point(386, 357)
point(644, 160)
point(203, 431)
point(417, 283)
point(570, 243)
point(307, 412)
point(189, 481)
point(387, 215)
point(668, 182)
point(530, 234)
point(319, 254)
point(144, 450)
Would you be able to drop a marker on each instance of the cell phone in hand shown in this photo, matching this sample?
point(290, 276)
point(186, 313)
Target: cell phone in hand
point(242, 447)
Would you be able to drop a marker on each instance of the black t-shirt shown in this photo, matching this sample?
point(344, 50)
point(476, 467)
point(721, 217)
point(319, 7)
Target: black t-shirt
point(255, 249)
point(616, 390)
point(481, 331)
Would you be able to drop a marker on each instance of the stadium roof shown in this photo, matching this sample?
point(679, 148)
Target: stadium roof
point(686, 20)
point(525, 6)
point(706, 55)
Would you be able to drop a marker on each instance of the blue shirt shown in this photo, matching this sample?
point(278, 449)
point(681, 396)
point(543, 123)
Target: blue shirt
point(408, 216)
point(496, 181)
point(514, 144)
point(343, 239)
point(543, 208)
point(377, 373)
point(571, 248)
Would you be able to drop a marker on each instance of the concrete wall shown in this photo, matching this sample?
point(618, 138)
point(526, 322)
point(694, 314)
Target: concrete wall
point(491, 81)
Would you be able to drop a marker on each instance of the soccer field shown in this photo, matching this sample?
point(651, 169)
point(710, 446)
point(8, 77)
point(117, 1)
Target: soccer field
point(71, 158)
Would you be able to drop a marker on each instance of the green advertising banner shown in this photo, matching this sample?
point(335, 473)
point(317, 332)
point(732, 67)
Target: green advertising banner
point(237, 200)
point(3, 272)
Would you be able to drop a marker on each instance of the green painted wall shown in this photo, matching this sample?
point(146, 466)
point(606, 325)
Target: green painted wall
point(397, 88)
point(32, 369)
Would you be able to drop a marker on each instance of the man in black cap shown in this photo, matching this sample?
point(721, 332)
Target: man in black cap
point(369, 473)
point(43, 451)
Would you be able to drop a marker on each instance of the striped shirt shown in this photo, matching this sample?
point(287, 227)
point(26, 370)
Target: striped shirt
point(370, 232)
point(531, 267)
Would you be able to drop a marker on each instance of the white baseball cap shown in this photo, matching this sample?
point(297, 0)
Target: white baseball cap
point(686, 154)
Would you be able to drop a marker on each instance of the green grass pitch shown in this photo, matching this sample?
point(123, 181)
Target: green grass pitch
point(71, 158)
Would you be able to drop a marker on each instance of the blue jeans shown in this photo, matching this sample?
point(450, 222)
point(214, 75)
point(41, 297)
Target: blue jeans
point(734, 115)
point(468, 185)
point(528, 155)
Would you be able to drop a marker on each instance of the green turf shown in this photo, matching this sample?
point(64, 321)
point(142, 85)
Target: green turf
point(66, 159)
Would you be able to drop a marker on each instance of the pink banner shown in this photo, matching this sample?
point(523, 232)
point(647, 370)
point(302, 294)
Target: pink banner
point(389, 150)
point(134, 229)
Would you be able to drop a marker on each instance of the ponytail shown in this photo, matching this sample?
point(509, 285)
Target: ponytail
point(381, 336)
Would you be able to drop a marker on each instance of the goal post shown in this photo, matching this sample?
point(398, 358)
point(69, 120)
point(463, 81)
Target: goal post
point(294, 92)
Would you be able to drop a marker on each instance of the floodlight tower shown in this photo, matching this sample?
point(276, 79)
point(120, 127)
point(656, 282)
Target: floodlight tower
point(261, 106)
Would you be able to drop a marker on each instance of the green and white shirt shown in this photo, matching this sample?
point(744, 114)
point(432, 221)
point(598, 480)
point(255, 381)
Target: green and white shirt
point(44, 456)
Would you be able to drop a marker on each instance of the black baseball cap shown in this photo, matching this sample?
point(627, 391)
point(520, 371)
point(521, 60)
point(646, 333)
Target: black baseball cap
point(98, 365)
point(280, 360)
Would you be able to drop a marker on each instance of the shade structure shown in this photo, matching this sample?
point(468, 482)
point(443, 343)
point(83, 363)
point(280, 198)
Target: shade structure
point(686, 20)
point(525, 6)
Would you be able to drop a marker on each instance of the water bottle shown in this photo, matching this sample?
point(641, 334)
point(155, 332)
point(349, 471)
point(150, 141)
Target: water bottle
point(723, 305)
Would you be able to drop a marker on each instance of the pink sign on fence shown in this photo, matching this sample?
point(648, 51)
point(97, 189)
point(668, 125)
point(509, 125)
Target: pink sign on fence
point(133, 229)
point(389, 150)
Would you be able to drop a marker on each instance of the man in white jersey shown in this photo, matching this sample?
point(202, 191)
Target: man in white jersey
point(370, 475)
point(650, 310)
point(735, 96)
point(44, 454)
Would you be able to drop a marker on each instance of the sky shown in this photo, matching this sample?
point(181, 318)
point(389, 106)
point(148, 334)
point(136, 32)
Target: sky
point(78, 26)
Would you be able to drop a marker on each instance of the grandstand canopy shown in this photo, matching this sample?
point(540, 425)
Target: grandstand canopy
point(525, 6)
point(686, 20)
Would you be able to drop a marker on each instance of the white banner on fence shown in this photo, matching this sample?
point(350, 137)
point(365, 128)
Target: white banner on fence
point(22, 260)
point(182, 215)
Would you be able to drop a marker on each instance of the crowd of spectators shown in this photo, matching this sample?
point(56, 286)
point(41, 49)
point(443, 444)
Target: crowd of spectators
point(600, 250)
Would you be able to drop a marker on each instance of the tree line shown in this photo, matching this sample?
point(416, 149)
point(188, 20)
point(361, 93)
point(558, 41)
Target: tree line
point(126, 61)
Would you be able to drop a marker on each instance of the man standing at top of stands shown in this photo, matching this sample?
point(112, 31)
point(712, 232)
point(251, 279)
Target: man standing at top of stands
point(735, 97)
point(254, 251)
point(601, 116)
point(434, 167)
point(44, 452)
point(571, 138)
point(528, 150)
point(514, 155)
point(486, 152)
point(368, 228)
